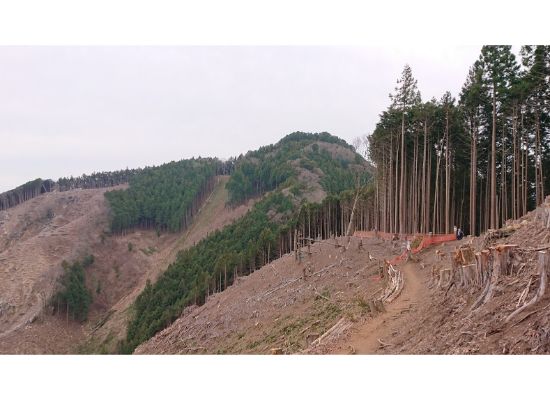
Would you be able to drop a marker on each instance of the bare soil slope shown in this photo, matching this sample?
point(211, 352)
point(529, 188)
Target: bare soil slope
point(34, 241)
point(34, 238)
point(282, 307)
point(428, 319)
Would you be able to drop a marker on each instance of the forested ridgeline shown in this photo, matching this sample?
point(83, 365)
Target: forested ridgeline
point(114, 178)
point(330, 158)
point(25, 192)
point(39, 186)
point(164, 198)
point(98, 179)
point(475, 162)
point(95, 180)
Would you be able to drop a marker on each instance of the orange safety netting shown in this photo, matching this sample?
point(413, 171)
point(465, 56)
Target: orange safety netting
point(427, 240)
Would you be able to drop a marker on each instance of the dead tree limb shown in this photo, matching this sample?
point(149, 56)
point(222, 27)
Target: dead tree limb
point(350, 224)
point(523, 294)
point(543, 263)
point(384, 344)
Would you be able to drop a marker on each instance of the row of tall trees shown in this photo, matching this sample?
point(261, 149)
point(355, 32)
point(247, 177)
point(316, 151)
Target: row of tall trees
point(25, 192)
point(97, 179)
point(330, 218)
point(40, 186)
point(475, 162)
point(163, 198)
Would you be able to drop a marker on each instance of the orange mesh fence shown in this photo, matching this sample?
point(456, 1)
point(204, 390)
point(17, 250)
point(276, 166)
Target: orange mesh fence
point(427, 241)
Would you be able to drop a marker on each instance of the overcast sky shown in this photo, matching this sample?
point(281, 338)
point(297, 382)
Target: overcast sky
point(72, 110)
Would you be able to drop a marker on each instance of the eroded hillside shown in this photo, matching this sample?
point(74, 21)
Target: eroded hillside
point(38, 234)
point(285, 306)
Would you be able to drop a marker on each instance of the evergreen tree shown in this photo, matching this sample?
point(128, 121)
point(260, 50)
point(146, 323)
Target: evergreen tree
point(500, 71)
point(406, 96)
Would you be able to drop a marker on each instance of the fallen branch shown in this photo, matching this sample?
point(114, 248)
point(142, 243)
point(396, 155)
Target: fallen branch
point(543, 262)
point(193, 348)
point(279, 287)
point(320, 295)
point(523, 294)
point(310, 326)
point(328, 332)
point(323, 270)
point(384, 344)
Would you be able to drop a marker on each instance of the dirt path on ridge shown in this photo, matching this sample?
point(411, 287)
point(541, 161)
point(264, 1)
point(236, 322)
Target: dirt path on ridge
point(399, 316)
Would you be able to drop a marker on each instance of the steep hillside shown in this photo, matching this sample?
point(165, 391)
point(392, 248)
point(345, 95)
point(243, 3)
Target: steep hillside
point(167, 240)
point(107, 331)
point(35, 237)
point(441, 308)
point(33, 246)
point(507, 314)
point(267, 232)
point(283, 307)
point(314, 165)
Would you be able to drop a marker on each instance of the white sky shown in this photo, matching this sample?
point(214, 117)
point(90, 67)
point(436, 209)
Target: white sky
point(72, 110)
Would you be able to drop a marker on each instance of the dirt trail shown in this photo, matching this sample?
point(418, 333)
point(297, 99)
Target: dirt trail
point(375, 336)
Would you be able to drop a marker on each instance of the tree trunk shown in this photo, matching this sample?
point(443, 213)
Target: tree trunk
point(402, 187)
point(493, 208)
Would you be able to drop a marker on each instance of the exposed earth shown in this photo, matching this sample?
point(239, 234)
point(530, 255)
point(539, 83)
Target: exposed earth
point(36, 236)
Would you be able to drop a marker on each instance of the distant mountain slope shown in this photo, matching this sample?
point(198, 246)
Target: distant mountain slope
point(292, 173)
point(36, 236)
point(37, 187)
point(315, 164)
point(164, 197)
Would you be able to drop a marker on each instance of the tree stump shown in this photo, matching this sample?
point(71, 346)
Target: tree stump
point(543, 266)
